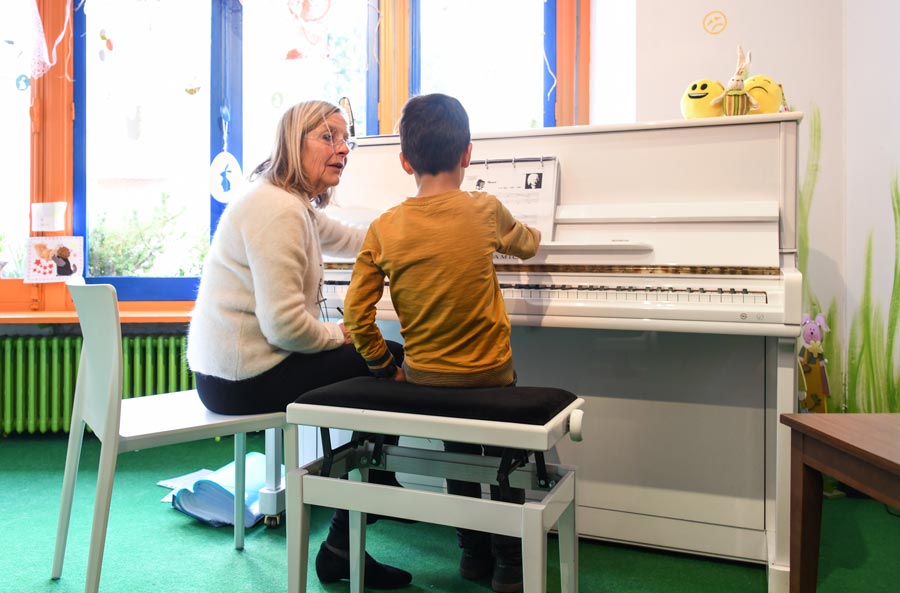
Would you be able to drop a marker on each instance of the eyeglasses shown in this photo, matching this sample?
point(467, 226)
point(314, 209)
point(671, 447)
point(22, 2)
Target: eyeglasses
point(336, 142)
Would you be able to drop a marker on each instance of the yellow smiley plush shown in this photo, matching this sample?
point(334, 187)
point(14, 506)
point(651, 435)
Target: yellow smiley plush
point(766, 92)
point(696, 99)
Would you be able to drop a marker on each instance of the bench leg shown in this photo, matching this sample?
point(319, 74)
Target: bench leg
point(534, 549)
point(291, 448)
point(568, 551)
point(358, 540)
point(298, 517)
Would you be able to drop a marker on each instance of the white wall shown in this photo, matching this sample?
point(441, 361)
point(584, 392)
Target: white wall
point(873, 143)
point(833, 57)
point(798, 43)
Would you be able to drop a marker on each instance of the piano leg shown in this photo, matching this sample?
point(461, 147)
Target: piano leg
point(782, 399)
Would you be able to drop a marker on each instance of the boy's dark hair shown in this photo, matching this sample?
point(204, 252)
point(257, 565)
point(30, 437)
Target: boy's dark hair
point(434, 133)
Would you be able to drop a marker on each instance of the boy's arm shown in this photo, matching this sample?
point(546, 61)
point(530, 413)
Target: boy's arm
point(515, 238)
point(365, 290)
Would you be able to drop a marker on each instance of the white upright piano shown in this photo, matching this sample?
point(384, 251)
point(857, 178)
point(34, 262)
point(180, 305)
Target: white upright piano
point(667, 295)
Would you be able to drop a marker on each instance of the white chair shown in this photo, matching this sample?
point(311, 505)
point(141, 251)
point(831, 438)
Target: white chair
point(138, 423)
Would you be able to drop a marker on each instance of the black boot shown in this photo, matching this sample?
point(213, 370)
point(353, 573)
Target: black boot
point(333, 565)
point(507, 574)
point(475, 565)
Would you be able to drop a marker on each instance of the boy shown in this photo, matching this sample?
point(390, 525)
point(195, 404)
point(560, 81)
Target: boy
point(436, 249)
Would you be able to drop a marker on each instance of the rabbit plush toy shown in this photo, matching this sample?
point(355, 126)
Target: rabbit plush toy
point(812, 363)
point(735, 100)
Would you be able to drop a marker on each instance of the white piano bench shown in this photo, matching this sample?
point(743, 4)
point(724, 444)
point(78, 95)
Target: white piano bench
point(517, 419)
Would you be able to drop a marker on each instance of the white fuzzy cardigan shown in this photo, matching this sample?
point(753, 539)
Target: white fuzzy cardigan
point(258, 294)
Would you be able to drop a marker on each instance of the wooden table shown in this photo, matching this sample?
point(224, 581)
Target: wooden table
point(860, 450)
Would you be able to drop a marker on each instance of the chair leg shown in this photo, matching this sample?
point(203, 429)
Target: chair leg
point(240, 488)
point(73, 456)
point(298, 518)
point(109, 453)
point(568, 551)
point(534, 549)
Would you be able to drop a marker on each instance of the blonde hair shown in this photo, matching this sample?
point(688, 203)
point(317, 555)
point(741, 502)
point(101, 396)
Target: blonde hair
point(283, 168)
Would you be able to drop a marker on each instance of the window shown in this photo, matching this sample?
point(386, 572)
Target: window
point(163, 86)
point(489, 55)
point(146, 155)
point(20, 42)
point(295, 51)
point(159, 104)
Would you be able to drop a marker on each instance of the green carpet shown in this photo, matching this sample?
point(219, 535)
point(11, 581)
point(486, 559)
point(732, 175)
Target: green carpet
point(151, 547)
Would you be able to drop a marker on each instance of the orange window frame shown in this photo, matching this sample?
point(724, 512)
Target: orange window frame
point(51, 160)
point(573, 62)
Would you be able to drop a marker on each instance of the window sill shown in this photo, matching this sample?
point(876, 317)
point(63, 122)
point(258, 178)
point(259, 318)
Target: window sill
point(126, 315)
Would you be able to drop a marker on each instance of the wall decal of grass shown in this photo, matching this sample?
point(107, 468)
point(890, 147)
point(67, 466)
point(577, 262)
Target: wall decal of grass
point(832, 341)
point(872, 383)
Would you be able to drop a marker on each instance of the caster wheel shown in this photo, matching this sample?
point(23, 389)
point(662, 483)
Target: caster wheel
point(272, 521)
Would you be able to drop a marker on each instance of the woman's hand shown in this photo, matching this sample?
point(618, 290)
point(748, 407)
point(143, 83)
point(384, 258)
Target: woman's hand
point(344, 331)
point(399, 376)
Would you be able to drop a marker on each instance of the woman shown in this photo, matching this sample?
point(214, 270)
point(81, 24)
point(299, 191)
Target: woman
point(256, 341)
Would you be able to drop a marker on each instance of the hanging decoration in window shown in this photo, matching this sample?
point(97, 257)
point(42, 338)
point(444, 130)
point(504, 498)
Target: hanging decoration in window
point(225, 177)
point(311, 31)
point(23, 54)
point(22, 32)
point(225, 174)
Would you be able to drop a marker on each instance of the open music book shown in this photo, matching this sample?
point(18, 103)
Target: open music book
point(211, 498)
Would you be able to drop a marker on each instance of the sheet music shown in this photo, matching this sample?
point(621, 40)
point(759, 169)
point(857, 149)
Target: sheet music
point(528, 187)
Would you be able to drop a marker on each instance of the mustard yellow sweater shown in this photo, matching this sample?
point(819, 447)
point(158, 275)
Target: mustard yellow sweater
point(437, 253)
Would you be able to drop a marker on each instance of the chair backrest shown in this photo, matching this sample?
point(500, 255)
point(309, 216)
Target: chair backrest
point(98, 389)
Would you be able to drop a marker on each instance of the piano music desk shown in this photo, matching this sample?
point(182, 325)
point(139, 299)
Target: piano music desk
point(861, 450)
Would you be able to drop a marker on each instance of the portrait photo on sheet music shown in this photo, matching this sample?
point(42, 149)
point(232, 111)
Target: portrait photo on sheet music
point(534, 180)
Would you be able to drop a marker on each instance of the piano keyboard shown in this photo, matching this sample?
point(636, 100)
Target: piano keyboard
point(645, 294)
point(740, 305)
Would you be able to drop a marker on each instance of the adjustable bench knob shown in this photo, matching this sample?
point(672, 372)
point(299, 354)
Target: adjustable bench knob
point(576, 418)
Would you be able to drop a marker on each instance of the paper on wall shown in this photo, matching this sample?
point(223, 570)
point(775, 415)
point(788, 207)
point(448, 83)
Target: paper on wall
point(48, 217)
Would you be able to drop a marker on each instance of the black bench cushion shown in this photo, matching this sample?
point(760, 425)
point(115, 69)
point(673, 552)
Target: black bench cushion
point(522, 405)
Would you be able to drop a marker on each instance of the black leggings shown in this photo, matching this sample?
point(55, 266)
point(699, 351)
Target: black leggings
point(274, 389)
